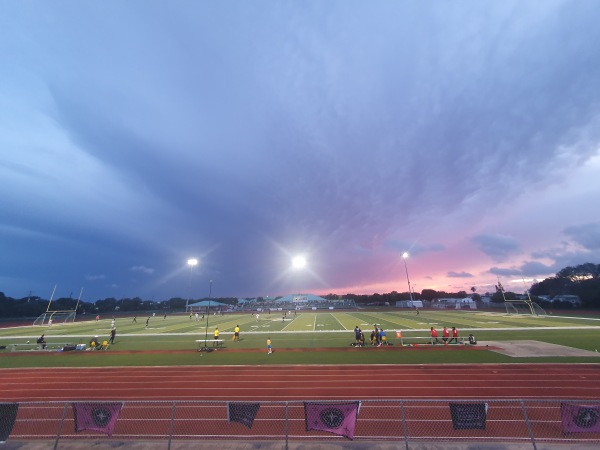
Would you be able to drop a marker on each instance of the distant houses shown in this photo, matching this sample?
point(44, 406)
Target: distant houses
point(573, 299)
point(409, 304)
point(456, 303)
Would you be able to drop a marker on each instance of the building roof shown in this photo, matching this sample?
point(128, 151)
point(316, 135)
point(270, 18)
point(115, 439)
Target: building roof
point(305, 297)
point(207, 303)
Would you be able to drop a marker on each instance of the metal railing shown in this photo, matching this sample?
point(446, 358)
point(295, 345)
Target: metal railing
point(518, 423)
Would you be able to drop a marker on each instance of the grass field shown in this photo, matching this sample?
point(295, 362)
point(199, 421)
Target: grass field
point(304, 338)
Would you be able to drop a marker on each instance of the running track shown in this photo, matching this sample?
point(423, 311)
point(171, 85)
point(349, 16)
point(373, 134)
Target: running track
point(280, 383)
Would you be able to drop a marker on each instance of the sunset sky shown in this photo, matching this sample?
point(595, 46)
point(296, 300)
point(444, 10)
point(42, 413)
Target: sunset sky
point(135, 135)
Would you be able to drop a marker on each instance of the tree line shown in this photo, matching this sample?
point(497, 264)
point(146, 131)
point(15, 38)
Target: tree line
point(582, 280)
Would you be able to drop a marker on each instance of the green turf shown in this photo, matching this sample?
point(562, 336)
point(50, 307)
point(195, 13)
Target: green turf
point(307, 331)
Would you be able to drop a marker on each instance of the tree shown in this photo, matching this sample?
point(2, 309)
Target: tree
point(580, 273)
point(582, 280)
point(429, 294)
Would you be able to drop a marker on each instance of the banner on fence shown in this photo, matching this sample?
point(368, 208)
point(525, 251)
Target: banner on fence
point(336, 418)
point(580, 418)
point(96, 416)
point(8, 416)
point(468, 416)
point(244, 413)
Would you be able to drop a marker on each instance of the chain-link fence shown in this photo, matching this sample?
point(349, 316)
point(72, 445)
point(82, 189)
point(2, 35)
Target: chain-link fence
point(410, 424)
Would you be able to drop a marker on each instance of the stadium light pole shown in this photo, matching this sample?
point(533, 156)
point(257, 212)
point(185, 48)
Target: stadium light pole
point(192, 262)
point(207, 316)
point(298, 264)
point(405, 257)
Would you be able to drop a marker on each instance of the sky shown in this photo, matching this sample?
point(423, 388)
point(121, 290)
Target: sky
point(135, 135)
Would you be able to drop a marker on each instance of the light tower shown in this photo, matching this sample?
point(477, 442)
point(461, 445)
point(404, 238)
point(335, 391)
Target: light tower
point(192, 262)
point(405, 257)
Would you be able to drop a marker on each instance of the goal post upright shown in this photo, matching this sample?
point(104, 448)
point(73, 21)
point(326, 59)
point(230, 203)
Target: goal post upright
point(78, 300)
point(51, 297)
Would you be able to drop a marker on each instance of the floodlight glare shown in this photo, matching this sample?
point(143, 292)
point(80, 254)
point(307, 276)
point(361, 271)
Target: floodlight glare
point(299, 262)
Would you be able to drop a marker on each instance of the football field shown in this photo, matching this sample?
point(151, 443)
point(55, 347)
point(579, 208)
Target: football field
point(335, 327)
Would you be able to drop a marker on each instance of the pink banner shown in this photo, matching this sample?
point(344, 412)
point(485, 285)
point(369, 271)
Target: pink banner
point(336, 418)
point(96, 416)
point(580, 418)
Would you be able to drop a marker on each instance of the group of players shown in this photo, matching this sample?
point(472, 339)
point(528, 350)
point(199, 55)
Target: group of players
point(447, 336)
point(379, 337)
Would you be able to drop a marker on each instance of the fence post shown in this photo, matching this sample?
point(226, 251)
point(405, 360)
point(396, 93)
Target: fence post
point(172, 425)
point(528, 424)
point(404, 429)
point(286, 425)
point(62, 421)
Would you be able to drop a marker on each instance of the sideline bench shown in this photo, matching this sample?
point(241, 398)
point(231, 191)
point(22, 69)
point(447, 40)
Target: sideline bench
point(428, 340)
point(35, 346)
point(217, 343)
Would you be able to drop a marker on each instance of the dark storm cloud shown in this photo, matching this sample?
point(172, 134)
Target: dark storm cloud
point(505, 272)
point(245, 133)
point(586, 235)
point(496, 246)
point(459, 275)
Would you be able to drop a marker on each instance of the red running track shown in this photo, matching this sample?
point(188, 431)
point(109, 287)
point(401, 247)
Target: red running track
point(280, 383)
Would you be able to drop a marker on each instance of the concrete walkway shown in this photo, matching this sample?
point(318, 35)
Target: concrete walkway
point(529, 349)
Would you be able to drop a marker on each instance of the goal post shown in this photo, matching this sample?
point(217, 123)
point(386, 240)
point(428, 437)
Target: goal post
point(57, 317)
point(525, 307)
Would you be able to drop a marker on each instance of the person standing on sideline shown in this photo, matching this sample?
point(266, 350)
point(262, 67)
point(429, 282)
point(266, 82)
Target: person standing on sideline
point(269, 347)
point(434, 336)
point(147, 322)
point(454, 335)
point(113, 333)
point(445, 335)
point(357, 332)
point(50, 323)
point(236, 333)
point(97, 317)
point(216, 334)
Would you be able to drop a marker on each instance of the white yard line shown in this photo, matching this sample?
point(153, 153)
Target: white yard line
point(334, 316)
